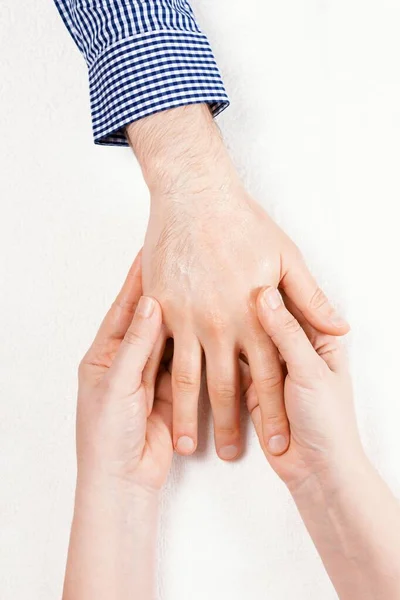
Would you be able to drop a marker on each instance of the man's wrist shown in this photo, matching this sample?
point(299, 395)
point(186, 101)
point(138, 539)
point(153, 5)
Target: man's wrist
point(179, 150)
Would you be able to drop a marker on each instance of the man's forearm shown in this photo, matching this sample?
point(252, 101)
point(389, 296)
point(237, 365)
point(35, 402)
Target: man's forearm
point(112, 546)
point(354, 521)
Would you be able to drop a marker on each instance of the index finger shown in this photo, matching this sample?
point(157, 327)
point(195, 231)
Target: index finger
point(287, 335)
point(116, 322)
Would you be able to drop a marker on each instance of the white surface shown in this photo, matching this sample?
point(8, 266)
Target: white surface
point(314, 127)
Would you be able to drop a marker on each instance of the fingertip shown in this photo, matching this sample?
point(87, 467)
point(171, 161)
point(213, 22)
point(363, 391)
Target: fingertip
point(340, 324)
point(332, 324)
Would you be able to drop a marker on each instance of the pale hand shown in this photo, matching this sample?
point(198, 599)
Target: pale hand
point(317, 393)
point(121, 435)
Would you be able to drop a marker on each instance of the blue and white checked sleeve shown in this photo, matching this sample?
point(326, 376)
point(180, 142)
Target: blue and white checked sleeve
point(143, 56)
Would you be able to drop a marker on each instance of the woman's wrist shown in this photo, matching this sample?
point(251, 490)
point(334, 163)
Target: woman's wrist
point(334, 476)
point(344, 507)
point(115, 492)
point(112, 549)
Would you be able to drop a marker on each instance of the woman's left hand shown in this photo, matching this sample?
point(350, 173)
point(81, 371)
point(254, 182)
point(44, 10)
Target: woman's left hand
point(122, 435)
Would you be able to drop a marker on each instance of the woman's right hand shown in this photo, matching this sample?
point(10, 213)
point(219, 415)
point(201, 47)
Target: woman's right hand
point(318, 397)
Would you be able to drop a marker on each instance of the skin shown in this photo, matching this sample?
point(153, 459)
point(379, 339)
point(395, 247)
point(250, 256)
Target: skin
point(124, 451)
point(350, 513)
point(206, 236)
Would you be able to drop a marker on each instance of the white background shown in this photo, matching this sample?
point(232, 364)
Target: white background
point(314, 128)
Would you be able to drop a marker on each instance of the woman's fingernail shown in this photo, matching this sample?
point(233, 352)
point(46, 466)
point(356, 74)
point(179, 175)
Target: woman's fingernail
point(228, 452)
point(273, 298)
point(278, 444)
point(145, 307)
point(185, 445)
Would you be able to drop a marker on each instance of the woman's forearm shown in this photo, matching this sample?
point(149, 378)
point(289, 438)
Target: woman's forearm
point(354, 521)
point(112, 545)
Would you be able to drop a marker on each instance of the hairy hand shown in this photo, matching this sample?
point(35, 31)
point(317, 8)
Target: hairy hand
point(209, 248)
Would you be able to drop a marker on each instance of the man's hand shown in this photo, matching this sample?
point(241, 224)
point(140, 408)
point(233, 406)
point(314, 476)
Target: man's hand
point(209, 248)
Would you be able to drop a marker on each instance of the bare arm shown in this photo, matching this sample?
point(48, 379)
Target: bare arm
point(124, 453)
point(112, 551)
point(350, 513)
point(354, 521)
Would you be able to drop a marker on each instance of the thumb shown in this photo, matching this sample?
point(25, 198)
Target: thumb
point(300, 286)
point(125, 373)
point(292, 343)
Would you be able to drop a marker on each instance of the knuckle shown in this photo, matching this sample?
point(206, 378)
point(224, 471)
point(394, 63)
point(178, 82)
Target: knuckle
point(275, 423)
point(329, 348)
point(277, 419)
point(227, 430)
point(318, 300)
point(185, 381)
point(270, 380)
point(133, 337)
point(215, 322)
point(291, 325)
point(224, 391)
point(107, 389)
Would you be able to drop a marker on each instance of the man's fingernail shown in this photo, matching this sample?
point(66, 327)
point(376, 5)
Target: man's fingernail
point(277, 444)
point(185, 445)
point(273, 298)
point(145, 307)
point(228, 452)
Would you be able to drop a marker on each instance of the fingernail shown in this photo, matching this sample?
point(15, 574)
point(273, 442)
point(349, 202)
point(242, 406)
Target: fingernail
point(273, 298)
point(145, 307)
point(277, 444)
point(185, 445)
point(228, 452)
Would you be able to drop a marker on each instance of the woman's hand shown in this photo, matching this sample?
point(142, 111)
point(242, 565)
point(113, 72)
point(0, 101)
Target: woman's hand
point(122, 435)
point(318, 396)
point(124, 450)
point(350, 513)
